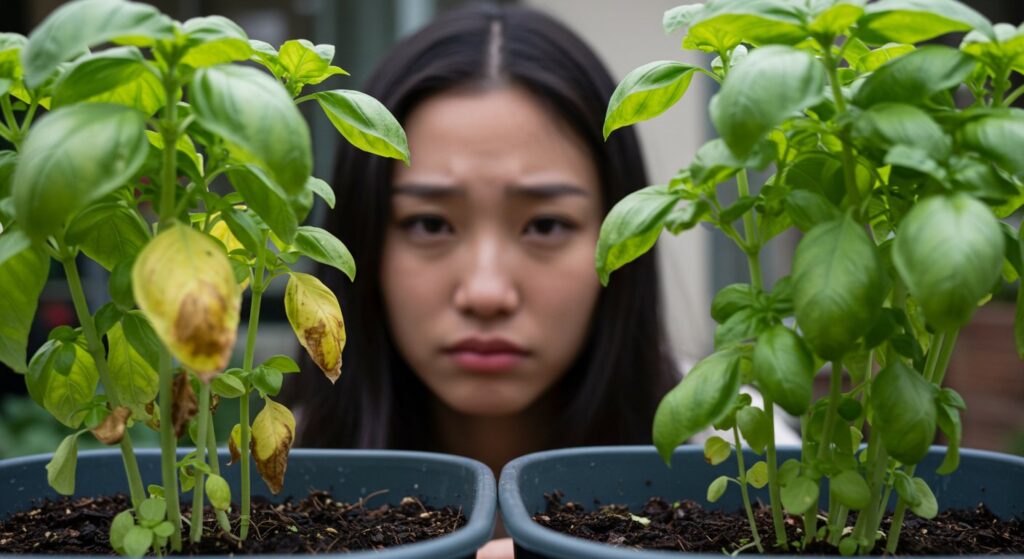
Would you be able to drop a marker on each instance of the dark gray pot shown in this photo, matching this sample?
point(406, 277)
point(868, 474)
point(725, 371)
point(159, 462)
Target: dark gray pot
point(629, 475)
point(436, 479)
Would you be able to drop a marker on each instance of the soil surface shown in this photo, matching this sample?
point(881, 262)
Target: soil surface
point(316, 524)
point(690, 527)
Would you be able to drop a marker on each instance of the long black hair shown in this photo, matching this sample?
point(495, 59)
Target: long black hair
point(609, 395)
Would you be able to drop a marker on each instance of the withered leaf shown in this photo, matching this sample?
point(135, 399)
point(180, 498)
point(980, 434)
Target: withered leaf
point(184, 404)
point(272, 434)
point(111, 429)
point(184, 285)
point(315, 316)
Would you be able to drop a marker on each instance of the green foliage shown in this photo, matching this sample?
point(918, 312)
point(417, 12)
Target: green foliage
point(899, 188)
point(116, 112)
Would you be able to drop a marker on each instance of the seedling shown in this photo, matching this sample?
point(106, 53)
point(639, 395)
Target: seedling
point(897, 162)
point(121, 168)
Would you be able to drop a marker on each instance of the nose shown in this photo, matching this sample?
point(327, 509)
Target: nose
point(486, 289)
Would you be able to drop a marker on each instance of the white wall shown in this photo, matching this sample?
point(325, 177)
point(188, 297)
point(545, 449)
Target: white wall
point(627, 34)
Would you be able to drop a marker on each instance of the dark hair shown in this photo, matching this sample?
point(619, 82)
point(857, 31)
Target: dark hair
point(610, 393)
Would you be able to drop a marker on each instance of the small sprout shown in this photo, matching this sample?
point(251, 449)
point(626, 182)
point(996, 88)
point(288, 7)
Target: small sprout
point(717, 488)
point(757, 475)
point(716, 450)
point(640, 520)
point(218, 492)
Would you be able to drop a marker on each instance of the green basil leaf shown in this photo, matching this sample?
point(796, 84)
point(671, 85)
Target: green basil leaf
point(979, 177)
point(63, 395)
point(914, 77)
point(189, 161)
point(322, 189)
point(137, 541)
point(105, 318)
point(646, 92)
point(905, 488)
point(22, 278)
point(875, 59)
point(60, 470)
point(365, 123)
point(903, 403)
point(723, 25)
point(768, 87)
point(715, 163)
point(686, 216)
point(834, 18)
point(850, 490)
point(265, 198)
point(741, 326)
point(949, 422)
point(132, 378)
point(679, 17)
point(119, 529)
point(243, 227)
point(73, 156)
point(632, 227)
point(227, 386)
point(784, 369)
point(325, 248)
point(887, 124)
point(808, 209)
point(737, 209)
point(267, 380)
point(703, 397)
point(257, 119)
point(928, 507)
point(213, 40)
point(282, 363)
point(839, 286)
point(109, 233)
point(716, 450)
point(76, 26)
point(730, 300)
point(968, 236)
point(305, 62)
point(118, 76)
point(755, 427)
point(995, 138)
point(717, 488)
point(153, 509)
point(142, 337)
point(913, 21)
point(799, 495)
point(218, 492)
point(757, 475)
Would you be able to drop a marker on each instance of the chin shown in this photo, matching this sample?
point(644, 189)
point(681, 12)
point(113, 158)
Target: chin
point(489, 404)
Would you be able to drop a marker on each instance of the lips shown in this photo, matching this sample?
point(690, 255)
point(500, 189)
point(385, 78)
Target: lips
point(486, 354)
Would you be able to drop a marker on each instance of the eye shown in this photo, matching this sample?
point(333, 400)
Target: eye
point(548, 228)
point(426, 226)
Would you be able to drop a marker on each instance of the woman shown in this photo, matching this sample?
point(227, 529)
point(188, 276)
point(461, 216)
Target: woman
point(477, 323)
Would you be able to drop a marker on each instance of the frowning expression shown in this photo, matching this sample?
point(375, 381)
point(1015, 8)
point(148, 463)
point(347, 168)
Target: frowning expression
point(488, 267)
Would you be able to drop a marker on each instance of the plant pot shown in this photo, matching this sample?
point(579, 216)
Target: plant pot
point(629, 475)
point(436, 479)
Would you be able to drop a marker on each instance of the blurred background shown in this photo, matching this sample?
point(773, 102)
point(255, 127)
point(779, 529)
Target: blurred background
point(626, 34)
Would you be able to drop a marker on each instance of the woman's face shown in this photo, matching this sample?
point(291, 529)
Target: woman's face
point(488, 268)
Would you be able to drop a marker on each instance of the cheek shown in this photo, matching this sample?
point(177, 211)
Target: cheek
point(413, 289)
point(565, 292)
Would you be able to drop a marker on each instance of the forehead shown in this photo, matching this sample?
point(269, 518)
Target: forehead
point(503, 135)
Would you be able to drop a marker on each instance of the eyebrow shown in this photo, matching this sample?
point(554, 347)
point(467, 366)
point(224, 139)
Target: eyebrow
point(540, 191)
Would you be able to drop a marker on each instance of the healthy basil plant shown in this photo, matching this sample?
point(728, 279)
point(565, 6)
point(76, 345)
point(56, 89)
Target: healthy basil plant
point(115, 156)
point(897, 161)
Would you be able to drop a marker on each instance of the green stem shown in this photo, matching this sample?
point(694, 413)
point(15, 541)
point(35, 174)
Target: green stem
point(836, 523)
point(12, 123)
point(849, 174)
point(939, 374)
point(834, 393)
point(1014, 96)
point(250, 347)
point(29, 115)
point(743, 489)
point(169, 133)
point(98, 353)
point(999, 86)
point(197, 492)
point(869, 519)
point(773, 479)
point(168, 447)
point(752, 244)
point(811, 515)
point(214, 462)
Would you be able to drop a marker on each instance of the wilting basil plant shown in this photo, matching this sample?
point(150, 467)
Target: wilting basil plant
point(115, 154)
point(897, 162)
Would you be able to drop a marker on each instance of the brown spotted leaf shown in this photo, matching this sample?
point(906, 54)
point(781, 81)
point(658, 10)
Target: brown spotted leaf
point(184, 404)
point(315, 315)
point(272, 434)
point(235, 443)
point(111, 429)
point(183, 283)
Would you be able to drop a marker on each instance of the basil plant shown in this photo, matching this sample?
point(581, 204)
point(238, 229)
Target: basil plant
point(115, 156)
point(897, 162)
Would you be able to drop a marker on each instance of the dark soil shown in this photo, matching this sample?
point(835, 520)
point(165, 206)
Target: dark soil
point(690, 527)
point(316, 524)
